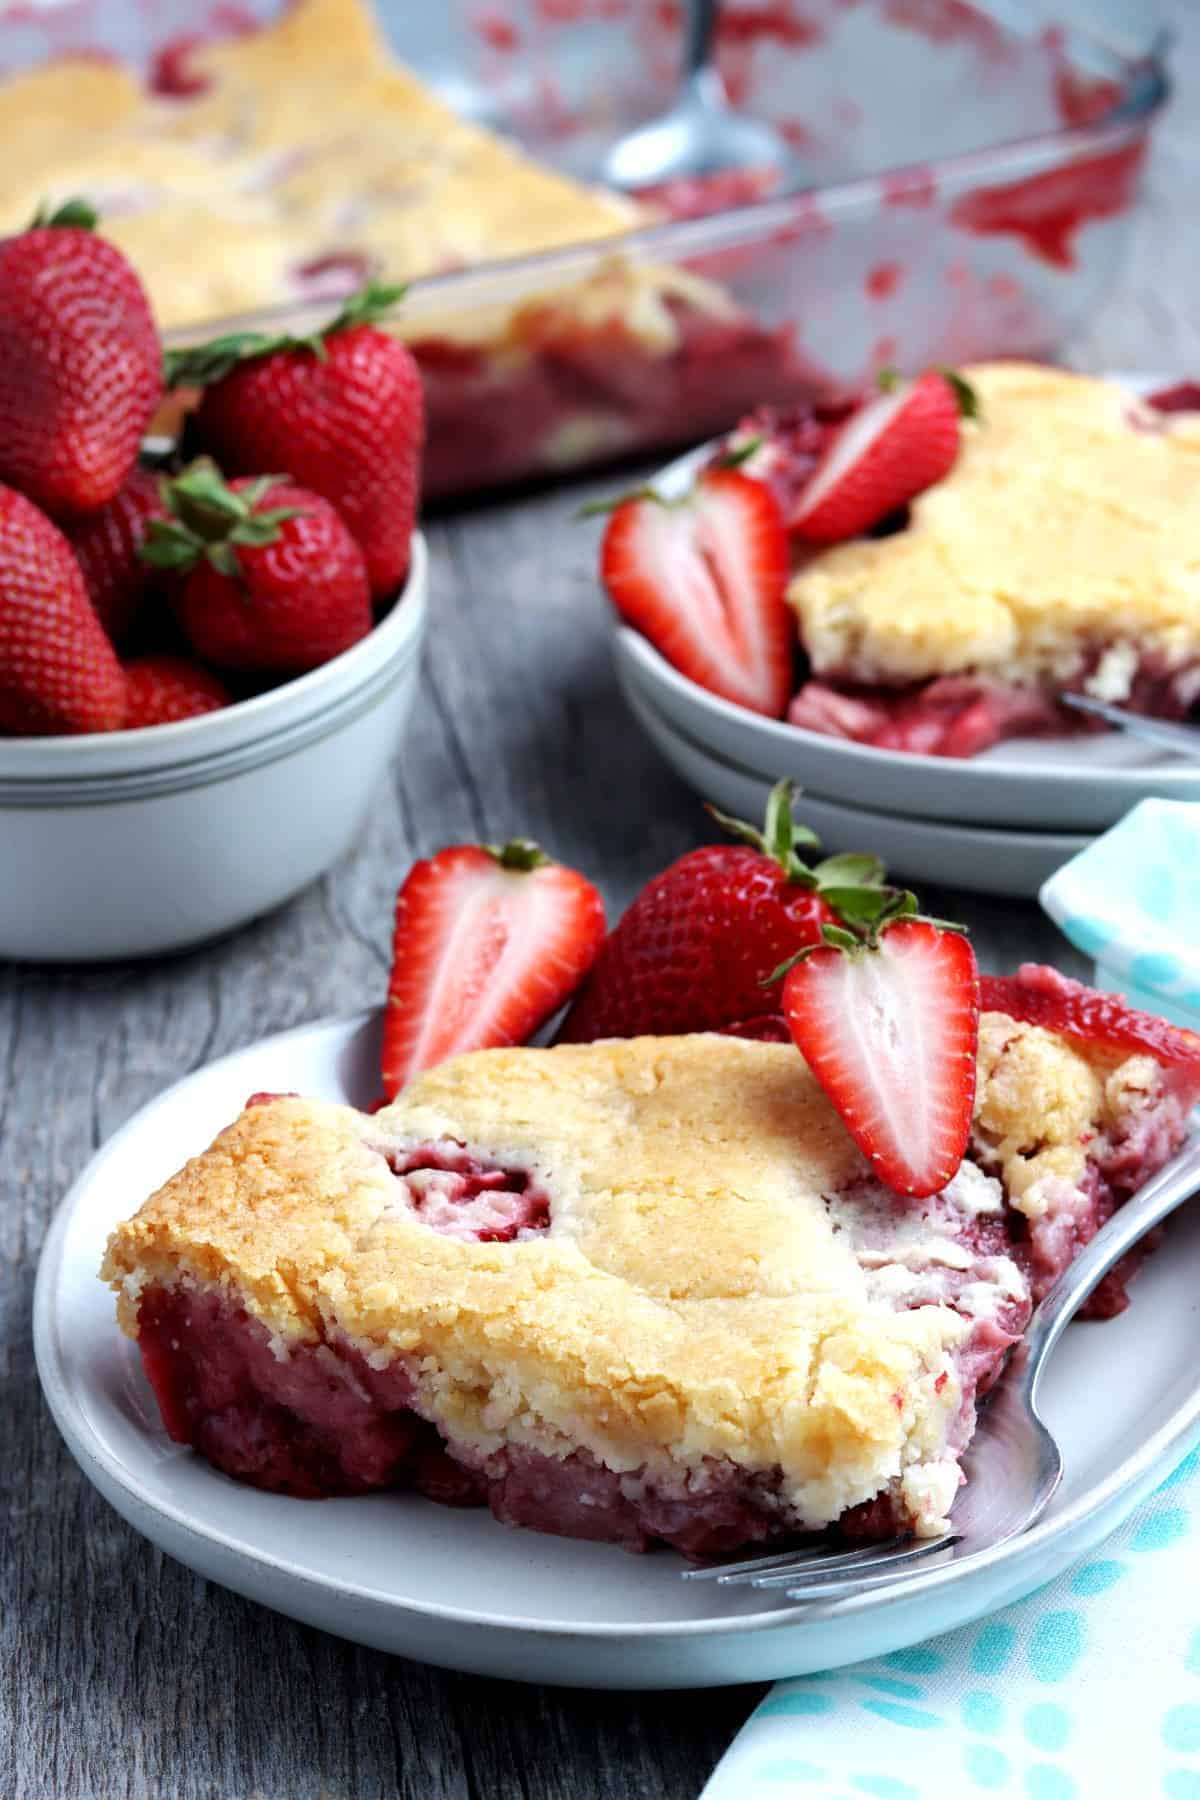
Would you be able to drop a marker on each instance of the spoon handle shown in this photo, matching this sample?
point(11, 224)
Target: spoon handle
point(1175, 1182)
point(701, 25)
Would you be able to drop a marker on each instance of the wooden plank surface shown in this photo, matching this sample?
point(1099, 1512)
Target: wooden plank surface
point(121, 1674)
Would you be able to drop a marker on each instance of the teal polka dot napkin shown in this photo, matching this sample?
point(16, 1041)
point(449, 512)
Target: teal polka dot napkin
point(1131, 901)
point(1087, 1690)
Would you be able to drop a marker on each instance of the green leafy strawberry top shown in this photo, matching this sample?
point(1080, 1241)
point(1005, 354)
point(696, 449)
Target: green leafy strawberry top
point(207, 519)
point(201, 365)
point(77, 213)
point(854, 885)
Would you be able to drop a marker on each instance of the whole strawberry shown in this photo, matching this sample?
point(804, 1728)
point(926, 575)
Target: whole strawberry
point(342, 411)
point(695, 949)
point(80, 364)
point(107, 546)
point(163, 689)
point(58, 671)
point(272, 581)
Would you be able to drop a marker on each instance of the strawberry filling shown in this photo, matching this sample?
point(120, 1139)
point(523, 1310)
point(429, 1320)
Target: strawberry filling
point(960, 715)
point(318, 1419)
point(454, 1193)
point(333, 276)
point(571, 393)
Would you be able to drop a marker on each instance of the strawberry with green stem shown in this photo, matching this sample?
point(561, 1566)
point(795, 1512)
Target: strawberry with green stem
point(892, 447)
point(693, 949)
point(269, 579)
point(886, 1014)
point(80, 363)
point(340, 409)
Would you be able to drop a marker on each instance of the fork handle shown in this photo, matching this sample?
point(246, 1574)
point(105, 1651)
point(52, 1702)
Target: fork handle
point(1175, 1182)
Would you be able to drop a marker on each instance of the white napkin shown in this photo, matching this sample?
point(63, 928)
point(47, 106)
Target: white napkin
point(1089, 1688)
point(1086, 1690)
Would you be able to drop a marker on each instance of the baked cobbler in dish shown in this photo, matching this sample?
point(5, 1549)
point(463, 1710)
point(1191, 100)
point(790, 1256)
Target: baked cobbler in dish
point(288, 164)
point(1060, 552)
point(639, 1290)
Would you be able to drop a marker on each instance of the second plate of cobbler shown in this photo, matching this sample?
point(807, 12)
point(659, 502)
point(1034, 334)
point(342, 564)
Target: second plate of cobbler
point(1045, 552)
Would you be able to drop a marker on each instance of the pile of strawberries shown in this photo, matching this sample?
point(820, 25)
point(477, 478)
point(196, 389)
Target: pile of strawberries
point(747, 939)
point(130, 597)
point(704, 576)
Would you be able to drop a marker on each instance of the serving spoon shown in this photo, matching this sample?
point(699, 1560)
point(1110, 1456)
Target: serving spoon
point(701, 134)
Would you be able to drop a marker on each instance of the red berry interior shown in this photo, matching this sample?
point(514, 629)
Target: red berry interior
point(455, 1193)
point(1040, 995)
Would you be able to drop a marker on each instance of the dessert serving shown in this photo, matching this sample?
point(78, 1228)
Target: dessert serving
point(279, 163)
point(695, 1288)
point(965, 550)
point(295, 162)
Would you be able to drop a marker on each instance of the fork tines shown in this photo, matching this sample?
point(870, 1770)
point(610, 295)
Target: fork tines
point(822, 1571)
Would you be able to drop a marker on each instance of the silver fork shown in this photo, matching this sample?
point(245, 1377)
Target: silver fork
point(1013, 1464)
point(1170, 734)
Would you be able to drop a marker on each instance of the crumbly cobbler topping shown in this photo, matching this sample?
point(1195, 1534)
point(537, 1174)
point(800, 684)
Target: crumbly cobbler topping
point(305, 157)
point(712, 1273)
point(1062, 544)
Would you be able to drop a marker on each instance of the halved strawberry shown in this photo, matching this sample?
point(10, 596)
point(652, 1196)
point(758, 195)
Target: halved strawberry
point(704, 577)
point(781, 447)
point(488, 944)
point(888, 1022)
point(1038, 995)
point(897, 444)
point(693, 949)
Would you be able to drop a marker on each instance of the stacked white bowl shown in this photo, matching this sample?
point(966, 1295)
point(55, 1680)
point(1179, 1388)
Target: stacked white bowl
point(134, 842)
point(998, 823)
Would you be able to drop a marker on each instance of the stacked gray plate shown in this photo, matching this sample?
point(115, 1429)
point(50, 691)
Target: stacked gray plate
point(999, 823)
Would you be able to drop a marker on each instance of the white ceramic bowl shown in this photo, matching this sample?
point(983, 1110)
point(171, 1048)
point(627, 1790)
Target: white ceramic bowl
point(985, 859)
point(1071, 785)
point(135, 842)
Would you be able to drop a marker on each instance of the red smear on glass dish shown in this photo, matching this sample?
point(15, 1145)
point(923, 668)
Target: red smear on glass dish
point(1046, 211)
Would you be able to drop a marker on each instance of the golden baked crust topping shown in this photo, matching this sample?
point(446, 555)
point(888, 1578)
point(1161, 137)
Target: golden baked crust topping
point(308, 141)
point(1064, 540)
point(719, 1276)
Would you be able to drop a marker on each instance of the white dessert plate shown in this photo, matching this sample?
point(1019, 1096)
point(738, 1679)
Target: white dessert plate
point(1067, 784)
point(984, 859)
point(455, 1588)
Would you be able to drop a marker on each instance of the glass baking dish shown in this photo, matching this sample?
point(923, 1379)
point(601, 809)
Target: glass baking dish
point(964, 190)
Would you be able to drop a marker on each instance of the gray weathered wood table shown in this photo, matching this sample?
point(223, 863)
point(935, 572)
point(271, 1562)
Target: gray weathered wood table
point(122, 1674)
